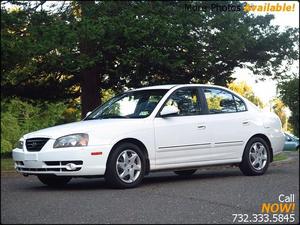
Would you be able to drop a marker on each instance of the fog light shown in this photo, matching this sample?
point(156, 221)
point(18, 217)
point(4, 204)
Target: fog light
point(71, 166)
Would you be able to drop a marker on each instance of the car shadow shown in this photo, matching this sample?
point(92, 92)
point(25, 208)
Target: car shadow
point(206, 175)
point(76, 184)
point(82, 184)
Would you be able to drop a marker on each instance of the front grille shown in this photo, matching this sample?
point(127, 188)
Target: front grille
point(35, 144)
point(19, 163)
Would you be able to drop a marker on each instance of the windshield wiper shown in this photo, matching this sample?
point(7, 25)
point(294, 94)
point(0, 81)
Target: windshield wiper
point(108, 117)
point(112, 117)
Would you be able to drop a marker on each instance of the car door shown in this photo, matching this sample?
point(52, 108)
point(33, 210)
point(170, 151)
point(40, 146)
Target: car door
point(181, 139)
point(228, 124)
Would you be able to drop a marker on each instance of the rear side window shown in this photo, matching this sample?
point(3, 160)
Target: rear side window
point(221, 101)
point(240, 105)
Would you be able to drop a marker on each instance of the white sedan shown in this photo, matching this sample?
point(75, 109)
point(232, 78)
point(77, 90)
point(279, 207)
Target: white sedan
point(165, 127)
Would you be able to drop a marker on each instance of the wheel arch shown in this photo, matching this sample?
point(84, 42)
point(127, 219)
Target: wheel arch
point(267, 140)
point(137, 142)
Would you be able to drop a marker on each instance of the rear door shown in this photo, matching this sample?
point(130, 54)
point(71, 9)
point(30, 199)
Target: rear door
point(228, 124)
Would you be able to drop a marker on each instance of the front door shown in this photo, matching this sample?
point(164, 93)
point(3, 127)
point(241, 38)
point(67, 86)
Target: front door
point(181, 139)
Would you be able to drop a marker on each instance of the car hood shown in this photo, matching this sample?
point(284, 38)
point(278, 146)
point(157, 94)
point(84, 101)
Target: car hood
point(83, 127)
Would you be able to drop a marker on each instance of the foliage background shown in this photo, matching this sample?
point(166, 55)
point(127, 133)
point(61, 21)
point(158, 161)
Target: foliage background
point(20, 117)
point(60, 61)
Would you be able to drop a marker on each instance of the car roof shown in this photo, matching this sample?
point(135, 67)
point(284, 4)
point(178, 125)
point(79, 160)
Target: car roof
point(169, 86)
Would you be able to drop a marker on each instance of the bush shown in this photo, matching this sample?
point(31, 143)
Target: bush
point(10, 132)
point(20, 117)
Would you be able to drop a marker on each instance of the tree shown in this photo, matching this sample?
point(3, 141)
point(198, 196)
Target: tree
point(89, 76)
point(289, 93)
point(279, 110)
point(246, 91)
point(78, 48)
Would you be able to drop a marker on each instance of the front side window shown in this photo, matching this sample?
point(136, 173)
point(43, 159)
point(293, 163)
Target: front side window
point(221, 101)
point(186, 100)
point(135, 104)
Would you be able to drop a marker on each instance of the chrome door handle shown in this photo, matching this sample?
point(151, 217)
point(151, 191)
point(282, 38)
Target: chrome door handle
point(245, 123)
point(201, 127)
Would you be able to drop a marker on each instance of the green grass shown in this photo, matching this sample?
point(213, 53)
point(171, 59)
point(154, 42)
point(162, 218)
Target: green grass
point(280, 157)
point(7, 164)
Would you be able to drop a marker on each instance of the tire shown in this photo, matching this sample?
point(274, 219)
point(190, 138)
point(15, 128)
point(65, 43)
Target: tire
point(53, 180)
point(122, 172)
point(185, 172)
point(256, 157)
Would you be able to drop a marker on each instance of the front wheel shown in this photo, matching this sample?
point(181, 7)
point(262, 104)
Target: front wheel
point(53, 180)
point(185, 172)
point(256, 157)
point(126, 166)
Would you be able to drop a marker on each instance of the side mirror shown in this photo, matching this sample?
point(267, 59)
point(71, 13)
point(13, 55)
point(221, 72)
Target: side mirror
point(88, 113)
point(169, 111)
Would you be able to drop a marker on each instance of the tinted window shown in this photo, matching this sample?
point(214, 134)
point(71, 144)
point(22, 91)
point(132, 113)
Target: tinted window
point(186, 100)
point(219, 101)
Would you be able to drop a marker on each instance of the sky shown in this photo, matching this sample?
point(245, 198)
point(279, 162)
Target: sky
point(266, 90)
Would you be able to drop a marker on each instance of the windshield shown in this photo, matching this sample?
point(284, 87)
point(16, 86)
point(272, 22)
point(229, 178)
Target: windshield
point(134, 104)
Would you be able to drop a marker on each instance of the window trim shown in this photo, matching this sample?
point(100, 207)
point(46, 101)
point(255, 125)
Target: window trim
point(200, 102)
point(228, 91)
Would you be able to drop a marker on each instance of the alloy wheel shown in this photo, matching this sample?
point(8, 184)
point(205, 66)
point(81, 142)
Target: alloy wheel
point(258, 156)
point(128, 166)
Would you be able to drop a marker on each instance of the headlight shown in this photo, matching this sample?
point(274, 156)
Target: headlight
point(73, 140)
point(20, 144)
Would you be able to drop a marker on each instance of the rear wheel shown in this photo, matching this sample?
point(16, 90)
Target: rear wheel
point(126, 166)
point(53, 180)
point(185, 172)
point(256, 158)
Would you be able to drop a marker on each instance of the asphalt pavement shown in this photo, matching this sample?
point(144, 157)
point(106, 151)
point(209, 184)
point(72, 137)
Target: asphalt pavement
point(211, 195)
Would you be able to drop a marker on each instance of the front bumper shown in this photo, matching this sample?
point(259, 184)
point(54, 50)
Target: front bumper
point(55, 161)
